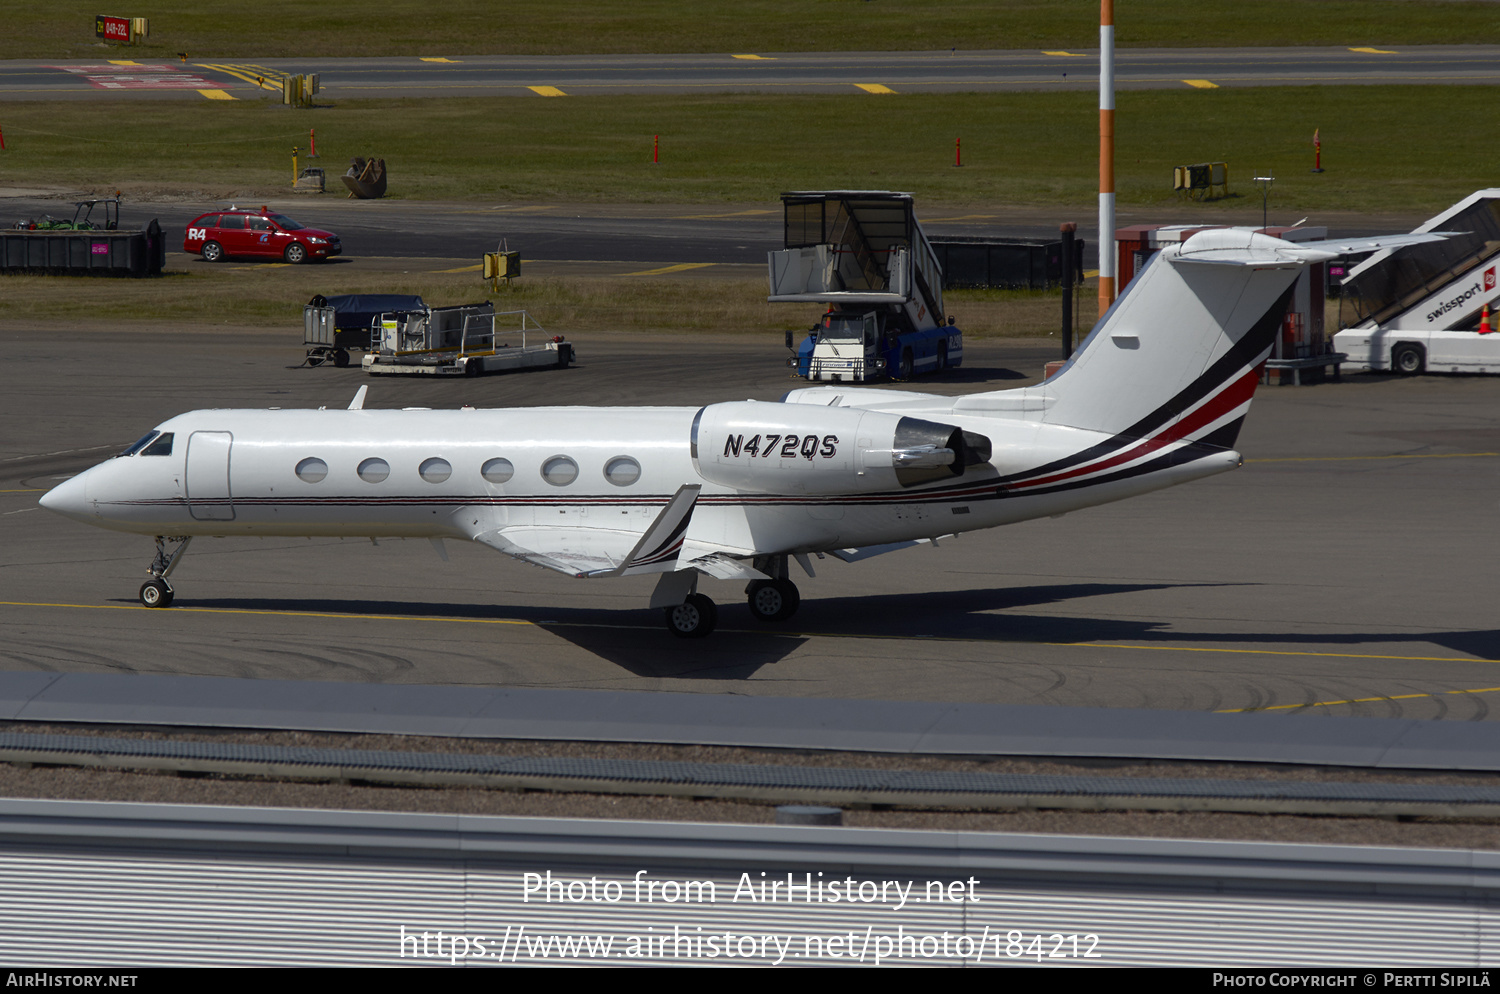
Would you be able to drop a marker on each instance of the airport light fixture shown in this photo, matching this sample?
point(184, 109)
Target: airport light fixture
point(1265, 195)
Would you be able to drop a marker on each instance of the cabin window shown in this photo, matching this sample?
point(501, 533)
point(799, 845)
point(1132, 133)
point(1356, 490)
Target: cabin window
point(435, 470)
point(559, 471)
point(497, 470)
point(161, 447)
point(374, 470)
point(312, 470)
point(140, 443)
point(622, 471)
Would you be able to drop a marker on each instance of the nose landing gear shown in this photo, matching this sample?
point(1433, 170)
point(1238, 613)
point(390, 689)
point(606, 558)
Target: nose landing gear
point(157, 592)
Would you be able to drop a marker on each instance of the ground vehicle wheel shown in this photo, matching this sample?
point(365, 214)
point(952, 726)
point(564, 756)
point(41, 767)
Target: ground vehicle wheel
point(773, 600)
point(213, 252)
point(942, 357)
point(295, 254)
point(1408, 360)
point(156, 593)
point(341, 358)
point(903, 371)
point(315, 357)
point(694, 618)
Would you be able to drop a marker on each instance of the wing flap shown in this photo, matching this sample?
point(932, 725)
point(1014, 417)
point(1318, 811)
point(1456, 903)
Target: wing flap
point(577, 552)
point(582, 551)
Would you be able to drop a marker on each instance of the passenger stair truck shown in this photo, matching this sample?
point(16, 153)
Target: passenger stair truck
point(863, 255)
point(1418, 308)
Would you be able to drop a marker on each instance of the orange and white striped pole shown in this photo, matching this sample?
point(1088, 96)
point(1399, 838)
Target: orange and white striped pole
point(1106, 154)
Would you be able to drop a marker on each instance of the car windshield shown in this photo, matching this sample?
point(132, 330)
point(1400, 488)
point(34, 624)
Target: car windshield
point(286, 223)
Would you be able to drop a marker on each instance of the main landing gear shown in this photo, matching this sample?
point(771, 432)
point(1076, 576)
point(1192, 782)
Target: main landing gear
point(694, 618)
point(157, 592)
point(691, 615)
point(773, 600)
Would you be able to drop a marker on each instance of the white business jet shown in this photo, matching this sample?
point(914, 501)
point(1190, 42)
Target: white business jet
point(1154, 397)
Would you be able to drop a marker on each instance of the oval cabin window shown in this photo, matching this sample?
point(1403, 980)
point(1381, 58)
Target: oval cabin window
point(622, 471)
point(312, 470)
point(374, 470)
point(435, 470)
point(559, 471)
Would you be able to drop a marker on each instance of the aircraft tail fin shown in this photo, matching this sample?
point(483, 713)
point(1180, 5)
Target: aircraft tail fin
point(1177, 358)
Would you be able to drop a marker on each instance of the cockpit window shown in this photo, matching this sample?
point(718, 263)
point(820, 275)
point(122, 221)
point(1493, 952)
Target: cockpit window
point(161, 447)
point(140, 444)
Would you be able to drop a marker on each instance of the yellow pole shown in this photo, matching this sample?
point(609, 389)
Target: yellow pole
point(295, 150)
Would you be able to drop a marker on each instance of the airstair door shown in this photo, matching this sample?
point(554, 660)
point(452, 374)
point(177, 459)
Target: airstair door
point(208, 476)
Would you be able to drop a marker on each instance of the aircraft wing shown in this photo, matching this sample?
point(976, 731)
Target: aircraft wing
point(868, 551)
point(583, 551)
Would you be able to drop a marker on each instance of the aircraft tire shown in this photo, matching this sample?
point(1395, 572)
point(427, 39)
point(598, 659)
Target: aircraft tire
point(773, 600)
point(694, 618)
point(156, 593)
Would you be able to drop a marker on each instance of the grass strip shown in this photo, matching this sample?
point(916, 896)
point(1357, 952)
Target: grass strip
point(1385, 148)
point(259, 295)
point(294, 29)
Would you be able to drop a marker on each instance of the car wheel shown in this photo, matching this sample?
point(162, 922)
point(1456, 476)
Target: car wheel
point(213, 252)
point(295, 253)
point(1408, 360)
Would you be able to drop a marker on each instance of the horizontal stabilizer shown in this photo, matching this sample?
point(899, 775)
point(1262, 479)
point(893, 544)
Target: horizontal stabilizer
point(1248, 247)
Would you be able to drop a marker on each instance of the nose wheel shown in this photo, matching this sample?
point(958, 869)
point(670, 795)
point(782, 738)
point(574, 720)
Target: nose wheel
point(156, 593)
point(773, 600)
point(694, 618)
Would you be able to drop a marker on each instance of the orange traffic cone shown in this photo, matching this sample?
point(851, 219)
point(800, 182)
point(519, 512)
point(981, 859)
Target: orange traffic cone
point(1484, 321)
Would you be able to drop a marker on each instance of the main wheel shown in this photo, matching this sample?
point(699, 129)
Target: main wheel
point(213, 252)
point(156, 593)
point(295, 253)
point(1408, 360)
point(694, 618)
point(773, 600)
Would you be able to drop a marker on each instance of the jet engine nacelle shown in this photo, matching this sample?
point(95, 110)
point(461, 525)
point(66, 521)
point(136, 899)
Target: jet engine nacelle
point(801, 449)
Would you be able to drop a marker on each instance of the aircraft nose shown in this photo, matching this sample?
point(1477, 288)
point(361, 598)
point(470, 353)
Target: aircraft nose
point(67, 498)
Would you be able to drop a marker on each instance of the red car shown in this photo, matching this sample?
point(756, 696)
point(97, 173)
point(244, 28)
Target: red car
point(259, 234)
